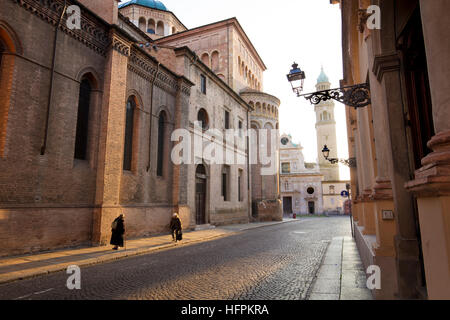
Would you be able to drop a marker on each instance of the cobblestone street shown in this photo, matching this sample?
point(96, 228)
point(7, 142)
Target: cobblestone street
point(276, 262)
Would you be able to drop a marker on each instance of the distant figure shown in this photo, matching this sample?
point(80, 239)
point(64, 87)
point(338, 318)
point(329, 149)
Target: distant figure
point(175, 227)
point(118, 230)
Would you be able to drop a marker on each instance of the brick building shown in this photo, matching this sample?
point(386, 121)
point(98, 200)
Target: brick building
point(86, 120)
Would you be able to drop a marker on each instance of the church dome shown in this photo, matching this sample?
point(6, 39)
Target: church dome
point(154, 4)
point(322, 77)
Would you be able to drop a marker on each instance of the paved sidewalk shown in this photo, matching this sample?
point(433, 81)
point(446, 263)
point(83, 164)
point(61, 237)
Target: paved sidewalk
point(27, 266)
point(342, 275)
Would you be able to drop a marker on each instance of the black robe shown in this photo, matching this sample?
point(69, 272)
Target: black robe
point(175, 224)
point(117, 234)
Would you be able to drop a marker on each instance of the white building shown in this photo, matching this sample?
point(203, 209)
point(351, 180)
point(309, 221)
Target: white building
point(300, 182)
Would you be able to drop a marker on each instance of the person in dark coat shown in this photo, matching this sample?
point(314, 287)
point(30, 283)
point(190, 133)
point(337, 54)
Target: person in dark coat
point(175, 226)
point(118, 230)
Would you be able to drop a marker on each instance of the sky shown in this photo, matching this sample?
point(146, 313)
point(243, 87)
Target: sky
point(305, 31)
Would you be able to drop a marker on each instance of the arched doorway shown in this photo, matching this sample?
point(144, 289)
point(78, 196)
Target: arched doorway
point(200, 195)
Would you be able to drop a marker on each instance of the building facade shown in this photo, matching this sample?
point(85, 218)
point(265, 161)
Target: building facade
point(300, 182)
point(401, 184)
point(87, 122)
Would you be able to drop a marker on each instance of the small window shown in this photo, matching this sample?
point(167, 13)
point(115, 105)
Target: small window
point(240, 128)
point(332, 190)
point(286, 167)
point(203, 84)
point(227, 119)
point(310, 190)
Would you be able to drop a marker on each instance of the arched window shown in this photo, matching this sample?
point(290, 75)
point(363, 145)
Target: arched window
point(202, 117)
point(258, 107)
point(151, 26)
point(325, 116)
point(215, 61)
point(7, 62)
point(161, 142)
point(81, 138)
point(129, 128)
point(174, 30)
point(160, 28)
point(205, 59)
point(142, 24)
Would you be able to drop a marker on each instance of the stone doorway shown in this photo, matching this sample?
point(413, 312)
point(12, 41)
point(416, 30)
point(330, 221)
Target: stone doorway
point(311, 207)
point(287, 205)
point(200, 195)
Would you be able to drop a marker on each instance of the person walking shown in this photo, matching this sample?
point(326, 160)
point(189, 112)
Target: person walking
point(175, 227)
point(118, 230)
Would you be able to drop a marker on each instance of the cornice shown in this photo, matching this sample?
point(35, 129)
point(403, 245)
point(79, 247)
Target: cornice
point(385, 63)
point(94, 32)
point(146, 68)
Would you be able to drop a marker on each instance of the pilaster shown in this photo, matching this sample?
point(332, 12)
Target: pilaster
point(110, 166)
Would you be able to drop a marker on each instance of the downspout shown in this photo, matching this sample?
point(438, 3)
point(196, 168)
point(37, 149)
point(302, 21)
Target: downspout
point(151, 119)
point(248, 168)
point(44, 145)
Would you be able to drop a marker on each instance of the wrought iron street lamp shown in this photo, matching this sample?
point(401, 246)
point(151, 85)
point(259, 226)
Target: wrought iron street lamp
point(351, 162)
point(356, 96)
point(296, 77)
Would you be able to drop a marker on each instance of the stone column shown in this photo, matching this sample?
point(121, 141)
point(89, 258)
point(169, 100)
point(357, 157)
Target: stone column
point(432, 181)
point(382, 190)
point(436, 32)
point(406, 241)
point(111, 144)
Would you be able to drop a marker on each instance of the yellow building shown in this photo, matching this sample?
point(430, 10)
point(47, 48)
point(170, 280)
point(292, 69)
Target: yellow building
point(401, 186)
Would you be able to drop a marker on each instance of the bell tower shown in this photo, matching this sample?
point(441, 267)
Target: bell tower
point(326, 131)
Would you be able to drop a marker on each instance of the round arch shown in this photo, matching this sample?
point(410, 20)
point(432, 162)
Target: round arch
point(92, 75)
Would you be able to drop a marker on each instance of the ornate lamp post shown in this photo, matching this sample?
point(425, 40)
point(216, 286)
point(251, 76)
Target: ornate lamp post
point(356, 96)
point(348, 162)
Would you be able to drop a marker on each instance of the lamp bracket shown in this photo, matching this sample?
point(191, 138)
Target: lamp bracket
point(351, 162)
point(356, 96)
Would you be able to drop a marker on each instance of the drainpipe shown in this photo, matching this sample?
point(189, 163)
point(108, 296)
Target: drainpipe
point(151, 119)
point(44, 145)
point(248, 167)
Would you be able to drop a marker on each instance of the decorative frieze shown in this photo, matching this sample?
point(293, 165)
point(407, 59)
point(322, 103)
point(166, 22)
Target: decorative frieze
point(120, 46)
point(145, 68)
point(93, 33)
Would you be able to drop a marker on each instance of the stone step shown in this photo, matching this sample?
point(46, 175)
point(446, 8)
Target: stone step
point(204, 227)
